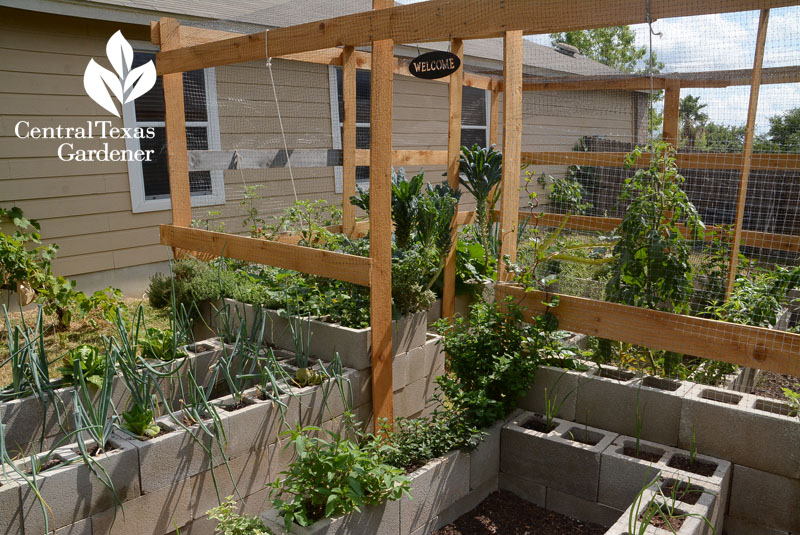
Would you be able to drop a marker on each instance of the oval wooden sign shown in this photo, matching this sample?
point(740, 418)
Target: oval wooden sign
point(433, 65)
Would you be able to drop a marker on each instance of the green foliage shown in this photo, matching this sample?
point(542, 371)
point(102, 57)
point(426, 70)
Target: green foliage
point(480, 172)
point(415, 441)
point(758, 299)
point(614, 46)
point(252, 220)
point(472, 262)
point(160, 344)
point(334, 476)
point(721, 138)
point(229, 522)
point(784, 131)
point(793, 397)
point(651, 266)
point(492, 359)
point(405, 197)
point(308, 219)
point(413, 271)
point(92, 362)
point(566, 192)
point(692, 120)
point(140, 422)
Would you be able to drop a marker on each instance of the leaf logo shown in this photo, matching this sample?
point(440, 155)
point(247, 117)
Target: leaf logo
point(126, 85)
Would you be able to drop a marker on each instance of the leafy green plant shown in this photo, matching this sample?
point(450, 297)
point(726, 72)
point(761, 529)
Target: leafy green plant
point(793, 397)
point(758, 299)
point(309, 219)
point(229, 522)
point(492, 359)
point(161, 344)
point(656, 505)
point(91, 361)
point(333, 477)
point(651, 267)
point(566, 193)
point(252, 220)
point(480, 172)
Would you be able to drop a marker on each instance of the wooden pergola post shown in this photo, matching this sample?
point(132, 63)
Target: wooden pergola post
point(672, 103)
point(175, 122)
point(494, 114)
point(348, 140)
point(755, 85)
point(453, 156)
point(380, 210)
point(512, 147)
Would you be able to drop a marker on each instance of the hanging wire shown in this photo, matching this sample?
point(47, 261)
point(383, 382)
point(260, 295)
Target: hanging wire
point(650, 72)
point(283, 133)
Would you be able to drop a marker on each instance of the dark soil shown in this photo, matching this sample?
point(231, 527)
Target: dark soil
point(770, 385)
point(643, 455)
point(504, 513)
point(670, 524)
point(538, 425)
point(235, 406)
point(51, 463)
point(682, 462)
point(685, 493)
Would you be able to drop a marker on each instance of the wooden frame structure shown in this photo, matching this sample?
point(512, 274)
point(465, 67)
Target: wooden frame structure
point(333, 42)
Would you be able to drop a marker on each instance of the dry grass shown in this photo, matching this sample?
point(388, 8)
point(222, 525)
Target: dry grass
point(81, 331)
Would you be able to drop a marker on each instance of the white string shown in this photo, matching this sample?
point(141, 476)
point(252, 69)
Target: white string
point(283, 133)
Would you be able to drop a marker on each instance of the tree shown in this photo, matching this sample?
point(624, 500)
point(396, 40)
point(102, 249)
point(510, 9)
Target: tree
point(692, 119)
point(784, 131)
point(614, 46)
point(721, 138)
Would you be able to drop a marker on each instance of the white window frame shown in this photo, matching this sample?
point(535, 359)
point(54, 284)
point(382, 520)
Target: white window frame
point(139, 204)
point(485, 127)
point(336, 130)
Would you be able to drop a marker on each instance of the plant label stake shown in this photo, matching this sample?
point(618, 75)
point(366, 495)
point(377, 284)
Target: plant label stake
point(433, 65)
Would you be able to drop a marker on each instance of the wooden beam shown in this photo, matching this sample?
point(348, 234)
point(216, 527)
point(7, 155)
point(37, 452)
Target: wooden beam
point(439, 20)
point(697, 160)
point(749, 134)
point(672, 102)
point(380, 208)
point(756, 347)
point(348, 139)
point(512, 145)
point(175, 123)
point(333, 265)
point(407, 157)
point(453, 156)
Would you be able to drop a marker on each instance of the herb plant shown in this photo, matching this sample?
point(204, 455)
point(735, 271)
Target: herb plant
point(334, 476)
point(229, 522)
point(793, 397)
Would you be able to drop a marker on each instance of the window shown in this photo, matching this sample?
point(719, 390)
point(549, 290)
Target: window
point(474, 122)
point(474, 115)
point(149, 181)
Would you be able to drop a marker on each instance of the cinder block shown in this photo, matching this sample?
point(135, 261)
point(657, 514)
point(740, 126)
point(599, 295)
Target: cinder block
point(737, 526)
point(380, 519)
point(623, 476)
point(11, 517)
point(661, 402)
point(434, 487)
point(553, 459)
point(467, 503)
point(558, 384)
point(250, 428)
point(484, 461)
point(693, 523)
point(726, 430)
point(580, 509)
point(606, 400)
point(81, 527)
point(528, 490)
point(766, 499)
point(411, 399)
point(274, 521)
point(74, 493)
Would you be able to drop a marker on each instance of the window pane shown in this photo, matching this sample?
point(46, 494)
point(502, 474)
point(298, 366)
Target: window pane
point(362, 95)
point(150, 106)
point(155, 172)
point(362, 175)
point(473, 107)
point(362, 137)
point(471, 136)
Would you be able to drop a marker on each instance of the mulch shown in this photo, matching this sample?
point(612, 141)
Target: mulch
point(770, 385)
point(505, 513)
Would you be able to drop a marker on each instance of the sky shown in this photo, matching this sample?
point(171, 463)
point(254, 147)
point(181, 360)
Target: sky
point(718, 42)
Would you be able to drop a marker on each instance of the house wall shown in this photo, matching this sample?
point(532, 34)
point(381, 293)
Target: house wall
point(86, 207)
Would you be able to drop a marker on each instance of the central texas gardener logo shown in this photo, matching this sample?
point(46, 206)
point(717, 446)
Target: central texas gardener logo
point(126, 85)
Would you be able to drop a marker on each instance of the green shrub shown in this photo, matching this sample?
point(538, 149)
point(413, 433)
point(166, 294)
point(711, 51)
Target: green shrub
point(229, 522)
point(492, 359)
point(333, 477)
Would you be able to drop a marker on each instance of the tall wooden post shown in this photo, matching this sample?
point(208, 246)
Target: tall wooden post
point(494, 114)
point(175, 122)
point(453, 156)
point(755, 85)
point(512, 146)
point(348, 140)
point(672, 103)
point(380, 211)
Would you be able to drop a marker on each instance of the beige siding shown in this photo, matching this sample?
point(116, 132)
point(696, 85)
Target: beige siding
point(86, 206)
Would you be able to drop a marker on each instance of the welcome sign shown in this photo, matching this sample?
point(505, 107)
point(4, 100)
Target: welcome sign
point(433, 65)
